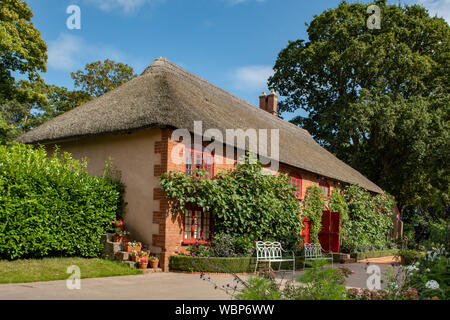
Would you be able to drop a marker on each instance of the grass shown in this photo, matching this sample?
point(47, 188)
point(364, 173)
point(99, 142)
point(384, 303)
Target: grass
point(48, 269)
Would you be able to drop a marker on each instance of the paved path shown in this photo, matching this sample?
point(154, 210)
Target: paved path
point(153, 286)
point(356, 280)
point(388, 260)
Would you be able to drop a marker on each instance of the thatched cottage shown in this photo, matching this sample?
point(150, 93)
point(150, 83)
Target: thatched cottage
point(133, 124)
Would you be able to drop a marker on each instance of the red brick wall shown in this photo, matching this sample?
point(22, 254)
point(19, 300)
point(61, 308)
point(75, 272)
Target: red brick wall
point(170, 235)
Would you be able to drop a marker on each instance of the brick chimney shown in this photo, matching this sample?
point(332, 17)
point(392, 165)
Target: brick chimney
point(269, 103)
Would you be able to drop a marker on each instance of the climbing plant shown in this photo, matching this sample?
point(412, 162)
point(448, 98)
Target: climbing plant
point(369, 225)
point(243, 201)
point(313, 206)
point(338, 204)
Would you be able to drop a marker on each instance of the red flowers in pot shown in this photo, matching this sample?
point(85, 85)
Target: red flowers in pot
point(143, 263)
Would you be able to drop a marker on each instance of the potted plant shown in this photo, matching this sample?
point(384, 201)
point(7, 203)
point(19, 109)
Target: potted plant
point(135, 256)
point(121, 236)
point(153, 262)
point(118, 224)
point(143, 263)
point(132, 246)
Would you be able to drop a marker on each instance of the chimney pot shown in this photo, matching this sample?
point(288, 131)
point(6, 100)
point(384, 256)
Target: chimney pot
point(272, 103)
point(263, 101)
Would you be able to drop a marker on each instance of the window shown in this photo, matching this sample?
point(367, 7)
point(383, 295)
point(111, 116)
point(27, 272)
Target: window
point(297, 184)
point(197, 158)
point(197, 225)
point(325, 187)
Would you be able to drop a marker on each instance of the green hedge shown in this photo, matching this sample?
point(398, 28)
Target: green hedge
point(51, 206)
point(373, 254)
point(223, 265)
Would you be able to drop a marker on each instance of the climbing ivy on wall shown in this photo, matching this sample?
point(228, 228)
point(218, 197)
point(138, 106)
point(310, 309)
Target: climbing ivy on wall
point(313, 207)
point(369, 225)
point(244, 201)
point(338, 204)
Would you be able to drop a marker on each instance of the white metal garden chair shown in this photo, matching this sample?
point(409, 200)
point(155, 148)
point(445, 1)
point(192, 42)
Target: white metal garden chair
point(267, 251)
point(314, 251)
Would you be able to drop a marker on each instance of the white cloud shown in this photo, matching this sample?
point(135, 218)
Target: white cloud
point(127, 6)
point(69, 52)
point(441, 8)
point(251, 77)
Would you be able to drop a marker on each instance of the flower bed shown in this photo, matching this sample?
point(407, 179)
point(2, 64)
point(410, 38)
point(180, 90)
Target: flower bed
point(223, 265)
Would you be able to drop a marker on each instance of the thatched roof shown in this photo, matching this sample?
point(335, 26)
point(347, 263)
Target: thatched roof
point(167, 95)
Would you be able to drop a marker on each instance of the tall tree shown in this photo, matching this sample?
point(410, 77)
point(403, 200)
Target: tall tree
point(377, 98)
point(100, 77)
point(21, 51)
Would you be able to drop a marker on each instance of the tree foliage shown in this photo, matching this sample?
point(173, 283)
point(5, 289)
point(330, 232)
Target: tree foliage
point(21, 50)
point(100, 77)
point(378, 99)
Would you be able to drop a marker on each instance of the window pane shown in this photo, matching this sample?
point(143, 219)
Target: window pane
point(188, 225)
point(198, 158)
point(206, 224)
point(189, 162)
point(197, 224)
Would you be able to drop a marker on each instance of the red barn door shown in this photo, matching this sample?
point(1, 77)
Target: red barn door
point(329, 235)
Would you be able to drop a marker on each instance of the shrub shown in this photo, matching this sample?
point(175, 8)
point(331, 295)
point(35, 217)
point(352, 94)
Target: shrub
point(322, 282)
point(429, 274)
point(212, 264)
point(407, 257)
point(223, 264)
point(51, 205)
point(439, 233)
point(224, 245)
point(260, 288)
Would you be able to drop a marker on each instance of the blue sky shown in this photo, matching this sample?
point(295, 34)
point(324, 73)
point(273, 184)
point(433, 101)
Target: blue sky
point(232, 43)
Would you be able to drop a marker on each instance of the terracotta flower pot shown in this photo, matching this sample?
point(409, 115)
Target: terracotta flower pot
point(135, 258)
point(143, 265)
point(131, 248)
point(118, 225)
point(154, 263)
point(117, 238)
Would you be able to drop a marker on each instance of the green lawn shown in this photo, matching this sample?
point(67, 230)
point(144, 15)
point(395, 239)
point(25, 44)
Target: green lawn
point(48, 269)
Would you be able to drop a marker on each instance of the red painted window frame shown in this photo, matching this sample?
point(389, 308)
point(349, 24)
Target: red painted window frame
point(298, 183)
point(193, 239)
point(324, 184)
point(207, 162)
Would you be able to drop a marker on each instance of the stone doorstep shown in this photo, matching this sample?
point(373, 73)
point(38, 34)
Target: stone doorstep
point(149, 270)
